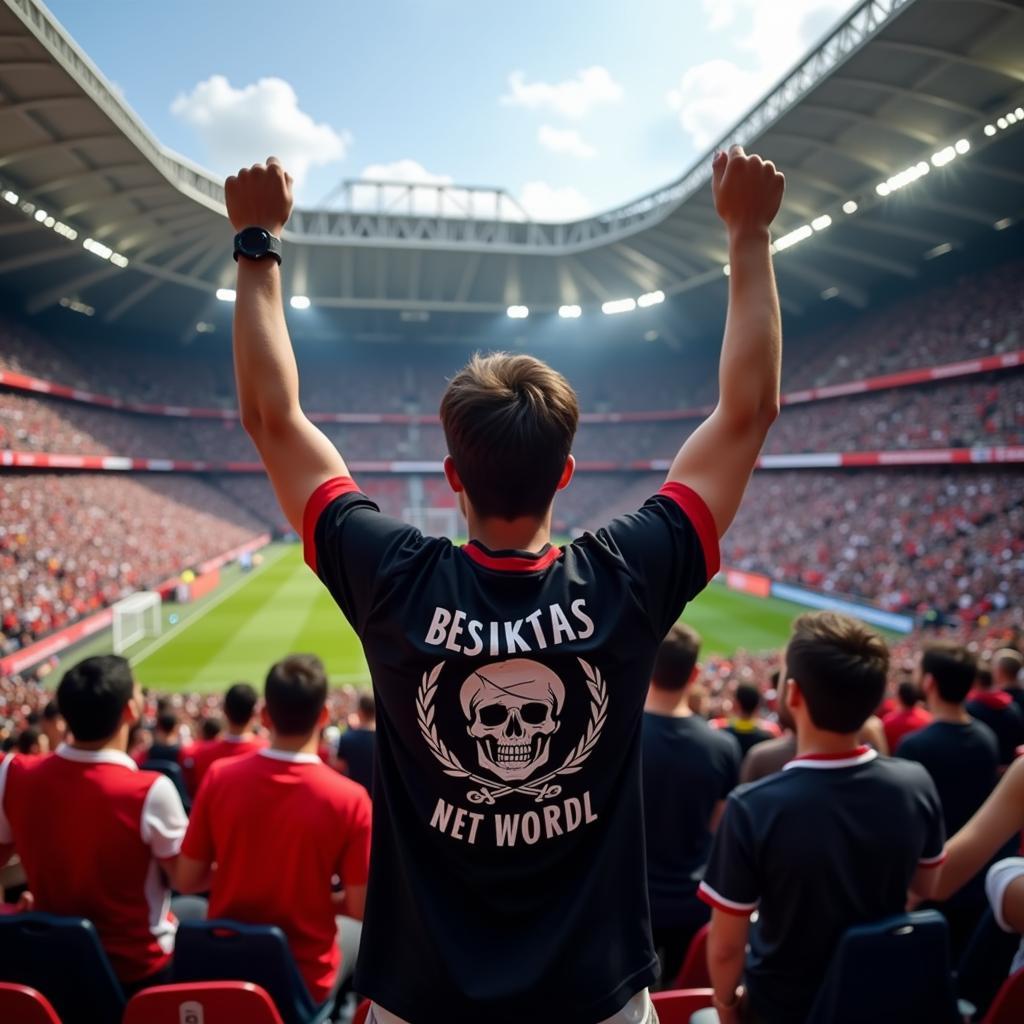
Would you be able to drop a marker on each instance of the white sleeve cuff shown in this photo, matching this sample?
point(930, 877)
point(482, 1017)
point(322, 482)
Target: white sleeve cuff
point(999, 878)
point(163, 819)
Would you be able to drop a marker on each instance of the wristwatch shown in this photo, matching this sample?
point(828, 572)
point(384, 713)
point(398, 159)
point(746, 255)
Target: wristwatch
point(257, 244)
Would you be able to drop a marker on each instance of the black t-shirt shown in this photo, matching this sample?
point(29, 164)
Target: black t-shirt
point(688, 768)
point(825, 844)
point(507, 864)
point(355, 748)
point(1017, 695)
point(1000, 713)
point(748, 733)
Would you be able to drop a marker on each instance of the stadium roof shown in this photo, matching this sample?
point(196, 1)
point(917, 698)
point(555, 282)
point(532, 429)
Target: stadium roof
point(916, 99)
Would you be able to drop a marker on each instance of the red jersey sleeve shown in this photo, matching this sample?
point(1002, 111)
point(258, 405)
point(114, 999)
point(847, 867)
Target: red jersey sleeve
point(198, 842)
point(354, 862)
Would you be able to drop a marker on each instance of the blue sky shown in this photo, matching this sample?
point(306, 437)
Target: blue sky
point(572, 107)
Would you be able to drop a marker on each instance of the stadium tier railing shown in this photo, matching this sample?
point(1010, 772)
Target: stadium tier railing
point(33, 654)
point(904, 378)
point(979, 456)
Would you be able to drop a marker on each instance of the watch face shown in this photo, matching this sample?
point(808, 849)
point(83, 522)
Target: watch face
point(253, 241)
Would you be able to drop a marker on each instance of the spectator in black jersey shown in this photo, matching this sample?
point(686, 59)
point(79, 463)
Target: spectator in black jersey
point(1007, 666)
point(510, 674)
point(771, 756)
point(356, 744)
point(961, 755)
point(998, 710)
point(688, 771)
point(745, 725)
point(835, 839)
point(166, 740)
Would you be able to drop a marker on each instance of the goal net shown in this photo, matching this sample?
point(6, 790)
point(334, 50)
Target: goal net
point(434, 522)
point(135, 617)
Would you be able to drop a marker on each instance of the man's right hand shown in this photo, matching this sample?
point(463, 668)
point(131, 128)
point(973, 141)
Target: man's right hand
point(259, 196)
point(747, 190)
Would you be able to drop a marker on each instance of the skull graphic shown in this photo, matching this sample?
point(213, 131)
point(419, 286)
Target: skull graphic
point(512, 708)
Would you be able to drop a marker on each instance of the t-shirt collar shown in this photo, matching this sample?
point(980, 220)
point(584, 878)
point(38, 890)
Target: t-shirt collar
point(295, 757)
point(104, 756)
point(511, 560)
point(840, 759)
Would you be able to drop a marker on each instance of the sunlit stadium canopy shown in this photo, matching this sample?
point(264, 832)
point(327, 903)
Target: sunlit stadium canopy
point(916, 99)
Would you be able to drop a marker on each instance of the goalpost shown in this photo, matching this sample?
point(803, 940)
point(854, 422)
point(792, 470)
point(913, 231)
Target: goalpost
point(135, 617)
point(434, 522)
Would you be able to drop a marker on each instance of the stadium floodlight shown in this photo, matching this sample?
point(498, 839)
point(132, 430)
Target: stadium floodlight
point(962, 146)
point(64, 231)
point(205, 327)
point(11, 197)
point(651, 335)
point(803, 232)
point(77, 307)
point(618, 306)
point(822, 222)
point(830, 293)
point(904, 178)
point(299, 302)
point(41, 215)
point(518, 312)
point(1001, 123)
point(940, 250)
point(1011, 117)
point(118, 260)
point(1003, 223)
point(650, 299)
point(727, 270)
point(226, 294)
point(1020, 113)
point(97, 248)
point(570, 312)
point(850, 206)
point(990, 130)
point(943, 157)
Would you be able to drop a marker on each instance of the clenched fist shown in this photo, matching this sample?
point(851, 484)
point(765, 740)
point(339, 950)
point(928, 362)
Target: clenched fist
point(259, 196)
point(747, 190)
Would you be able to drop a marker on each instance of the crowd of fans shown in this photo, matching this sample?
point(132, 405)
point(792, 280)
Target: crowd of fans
point(71, 544)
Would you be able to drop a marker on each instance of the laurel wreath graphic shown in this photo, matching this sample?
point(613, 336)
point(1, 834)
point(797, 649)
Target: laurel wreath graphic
point(490, 789)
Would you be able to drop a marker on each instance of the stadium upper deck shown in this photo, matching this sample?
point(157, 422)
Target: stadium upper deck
point(899, 88)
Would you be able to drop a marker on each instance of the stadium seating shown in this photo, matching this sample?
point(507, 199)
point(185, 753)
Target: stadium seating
point(83, 990)
point(906, 959)
point(1008, 1006)
point(20, 1004)
point(694, 972)
point(678, 1006)
point(222, 950)
point(202, 1002)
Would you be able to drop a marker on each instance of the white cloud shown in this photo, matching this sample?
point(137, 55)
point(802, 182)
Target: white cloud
point(713, 95)
point(241, 126)
point(574, 97)
point(545, 202)
point(565, 141)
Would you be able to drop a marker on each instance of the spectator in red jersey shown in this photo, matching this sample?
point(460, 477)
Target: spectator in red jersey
point(1007, 665)
point(997, 709)
point(907, 718)
point(239, 708)
point(98, 838)
point(745, 724)
point(280, 825)
point(32, 742)
point(356, 745)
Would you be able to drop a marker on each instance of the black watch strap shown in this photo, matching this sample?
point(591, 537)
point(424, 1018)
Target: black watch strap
point(257, 243)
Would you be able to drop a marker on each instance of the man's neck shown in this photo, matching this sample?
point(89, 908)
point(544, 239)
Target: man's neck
point(118, 742)
point(240, 732)
point(811, 740)
point(296, 744)
point(944, 711)
point(673, 703)
point(523, 534)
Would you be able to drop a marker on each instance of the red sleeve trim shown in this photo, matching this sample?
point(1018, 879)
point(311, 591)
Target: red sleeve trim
point(699, 514)
point(327, 492)
point(718, 902)
point(933, 862)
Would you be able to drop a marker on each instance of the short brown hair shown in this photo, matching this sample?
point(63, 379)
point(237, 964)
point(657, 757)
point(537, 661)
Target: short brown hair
point(509, 421)
point(953, 668)
point(1007, 663)
point(840, 665)
point(676, 658)
point(295, 693)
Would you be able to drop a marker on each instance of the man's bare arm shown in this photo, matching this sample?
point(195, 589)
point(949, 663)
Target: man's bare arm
point(297, 456)
point(718, 458)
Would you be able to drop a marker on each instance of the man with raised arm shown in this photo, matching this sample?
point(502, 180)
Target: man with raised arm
point(507, 874)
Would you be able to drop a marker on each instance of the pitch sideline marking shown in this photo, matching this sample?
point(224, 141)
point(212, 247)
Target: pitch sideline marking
point(181, 627)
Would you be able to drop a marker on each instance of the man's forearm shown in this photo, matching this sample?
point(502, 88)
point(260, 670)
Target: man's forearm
point(751, 360)
point(265, 369)
point(725, 966)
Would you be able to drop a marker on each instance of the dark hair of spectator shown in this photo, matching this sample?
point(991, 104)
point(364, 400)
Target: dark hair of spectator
point(840, 666)
point(983, 677)
point(1006, 665)
point(676, 658)
point(908, 694)
point(240, 703)
point(51, 712)
point(748, 697)
point(953, 668)
point(93, 694)
point(211, 727)
point(366, 706)
point(27, 739)
point(295, 693)
point(167, 721)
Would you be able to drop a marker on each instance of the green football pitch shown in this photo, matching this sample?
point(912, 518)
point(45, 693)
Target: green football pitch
point(280, 607)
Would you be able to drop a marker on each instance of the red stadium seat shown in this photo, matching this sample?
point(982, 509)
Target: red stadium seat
point(694, 972)
point(1008, 1005)
point(23, 1005)
point(678, 1005)
point(362, 1012)
point(212, 1002)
